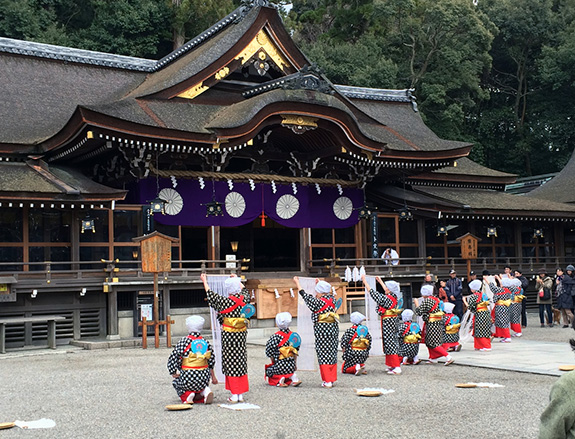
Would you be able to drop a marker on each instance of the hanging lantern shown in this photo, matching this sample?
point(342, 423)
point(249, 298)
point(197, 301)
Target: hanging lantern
point(157, 205)
point(213, 208)
point(88, 224)
point(405, 214)
point(491, 231)
point(365, 212)
point(441, 230)
point(538, 233)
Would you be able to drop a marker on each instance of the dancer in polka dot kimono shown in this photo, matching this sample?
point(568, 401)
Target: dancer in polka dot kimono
point(500, 314)
point(355, 348)
point(408, 339)
point(192, 370)
point(325, 329)
point(434, 329)
point(281, 371)
point(389, 312)
point(451, 339)
point(234, 334)
point(517, 298)
point(481, 316)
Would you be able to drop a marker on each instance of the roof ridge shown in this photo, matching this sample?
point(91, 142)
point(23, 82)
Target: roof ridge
point(378, 94)
point(104, 59)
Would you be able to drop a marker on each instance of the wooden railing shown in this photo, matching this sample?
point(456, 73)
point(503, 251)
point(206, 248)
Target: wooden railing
point(409, 267)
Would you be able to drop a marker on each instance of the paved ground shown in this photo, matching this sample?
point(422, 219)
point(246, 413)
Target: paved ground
point(121, 393)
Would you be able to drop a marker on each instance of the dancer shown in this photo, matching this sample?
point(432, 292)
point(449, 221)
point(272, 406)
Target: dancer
point(500, 313)
point(451, 340)
point(389, 313)
point(325, 329)
point(517, 298)
point(282, 370)
point(434, 330)
point(234, 334)
point(355, 347)
point(478, 305)
point(408, 339)
point(190, 367)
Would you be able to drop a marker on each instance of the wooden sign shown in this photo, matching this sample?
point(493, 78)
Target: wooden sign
point(468, 246)
point(156, 251)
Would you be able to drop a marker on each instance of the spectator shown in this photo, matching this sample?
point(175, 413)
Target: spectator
point(558, 419)
point(390, 257)
point(524, 285)
point(454, 290)
point(442, 294)
point(566, 291)
point(543, 286)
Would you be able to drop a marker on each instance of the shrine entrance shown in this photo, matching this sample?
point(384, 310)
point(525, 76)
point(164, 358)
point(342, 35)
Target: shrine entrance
point(270, 248)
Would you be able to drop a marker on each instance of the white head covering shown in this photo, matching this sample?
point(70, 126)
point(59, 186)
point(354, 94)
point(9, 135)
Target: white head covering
point(505, 282)
point(323, 287)
point(427, 290)
point(356, 317)
point(195, 323)
point(475, 285)
point(233, 285)
point(407, 315)
point(448, 307)
point(283, 320)
point(392, 286)
point(515, 282)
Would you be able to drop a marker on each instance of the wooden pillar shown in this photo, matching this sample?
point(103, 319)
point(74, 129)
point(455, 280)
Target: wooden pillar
point(303, 249)
point(421, 238)
point(113, 326)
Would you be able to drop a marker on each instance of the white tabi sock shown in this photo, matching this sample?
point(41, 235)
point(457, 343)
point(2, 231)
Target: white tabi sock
point(206, 392)
point(234, 397)
point(294, 378)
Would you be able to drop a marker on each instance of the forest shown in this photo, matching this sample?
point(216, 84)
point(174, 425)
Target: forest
point(497, 73)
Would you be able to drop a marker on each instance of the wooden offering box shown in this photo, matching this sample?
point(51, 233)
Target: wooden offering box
point(267, 305)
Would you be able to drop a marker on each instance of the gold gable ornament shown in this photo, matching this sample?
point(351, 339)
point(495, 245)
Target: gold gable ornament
point(299, 124)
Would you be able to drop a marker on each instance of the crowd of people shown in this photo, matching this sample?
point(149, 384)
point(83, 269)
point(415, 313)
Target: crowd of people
point(446, 312)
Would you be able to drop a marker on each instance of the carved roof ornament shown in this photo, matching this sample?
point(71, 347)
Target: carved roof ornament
point(308, 78)
point(247, 5)
point(299, 124)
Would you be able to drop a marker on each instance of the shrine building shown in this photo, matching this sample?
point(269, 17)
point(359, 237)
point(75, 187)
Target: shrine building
point(237, 147)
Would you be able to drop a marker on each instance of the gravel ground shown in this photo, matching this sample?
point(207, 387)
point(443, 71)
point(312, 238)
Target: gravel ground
point(122, 393)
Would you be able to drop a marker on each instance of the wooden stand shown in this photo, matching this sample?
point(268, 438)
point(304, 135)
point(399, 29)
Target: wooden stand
point(156, 251)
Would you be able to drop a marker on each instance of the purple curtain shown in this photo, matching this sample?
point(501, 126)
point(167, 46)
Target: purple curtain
point(314, 210)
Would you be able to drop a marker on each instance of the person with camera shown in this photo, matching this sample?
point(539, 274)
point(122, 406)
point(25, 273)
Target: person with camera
point(543, 286)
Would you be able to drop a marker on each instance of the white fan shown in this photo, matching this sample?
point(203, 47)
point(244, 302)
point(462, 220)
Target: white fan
point(287, 206)
point(235, 204)
point(174, 201)
point(342, 207)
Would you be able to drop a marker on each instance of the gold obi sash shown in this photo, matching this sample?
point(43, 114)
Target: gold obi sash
point(196, 361)
point(482, 306)
point(452, 329)
point(518, 298)
point(503, 302)
point(393, 312)
point(360, 344)
point(235, 324)
point(436, 316)
point(412, 338)
point(328, 317)
point(287, 351)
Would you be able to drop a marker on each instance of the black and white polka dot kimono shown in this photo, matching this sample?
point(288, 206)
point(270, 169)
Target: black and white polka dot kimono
point(481, 319)
point(387, 304)
point(194, 380)
point(353, 355)
point(515, 308)
point(502, 299)
point(234, 353)
point(408, 341)
point(434, 329)
point(326, 334)
point(281, 365)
